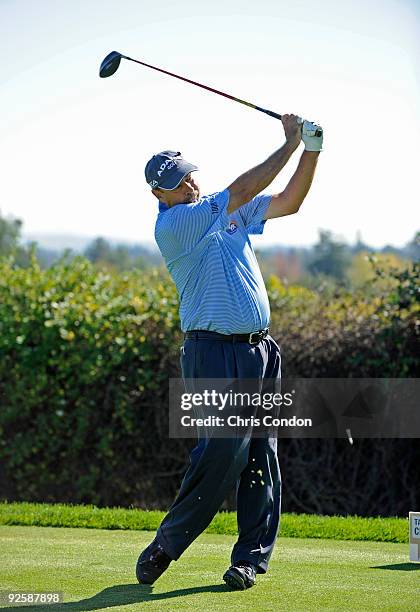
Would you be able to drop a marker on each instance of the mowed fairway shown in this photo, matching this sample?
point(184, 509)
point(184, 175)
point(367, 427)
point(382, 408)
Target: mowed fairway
point(95, 570)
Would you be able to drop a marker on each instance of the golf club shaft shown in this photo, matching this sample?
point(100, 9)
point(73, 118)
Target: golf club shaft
point(220, 93)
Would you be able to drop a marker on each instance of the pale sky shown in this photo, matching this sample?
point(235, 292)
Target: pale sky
point(73, 146)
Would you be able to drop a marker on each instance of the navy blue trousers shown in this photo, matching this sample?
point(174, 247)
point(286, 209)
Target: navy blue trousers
point(218, 464)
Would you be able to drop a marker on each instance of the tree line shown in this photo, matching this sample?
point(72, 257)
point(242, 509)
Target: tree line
point(329, 261)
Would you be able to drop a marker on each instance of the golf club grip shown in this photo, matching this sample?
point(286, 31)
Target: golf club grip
point(277, 116)
point(268, 112)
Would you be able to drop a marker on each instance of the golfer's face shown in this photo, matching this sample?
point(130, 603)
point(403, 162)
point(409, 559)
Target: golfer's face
point(190, 189)
point(186, 192)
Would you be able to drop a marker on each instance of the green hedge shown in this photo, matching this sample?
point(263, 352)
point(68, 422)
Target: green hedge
point(85, 358)
point(369, 333)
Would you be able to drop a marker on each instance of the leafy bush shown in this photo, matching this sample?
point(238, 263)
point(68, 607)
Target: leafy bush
point(365, 333)
point(85, 358)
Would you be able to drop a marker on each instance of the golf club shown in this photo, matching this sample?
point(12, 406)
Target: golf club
point(112, 61)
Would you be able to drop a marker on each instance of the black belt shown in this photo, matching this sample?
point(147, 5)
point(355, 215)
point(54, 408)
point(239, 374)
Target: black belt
point(252, 338)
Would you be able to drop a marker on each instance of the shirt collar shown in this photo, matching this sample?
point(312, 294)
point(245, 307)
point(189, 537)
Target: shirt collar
point(163, 207)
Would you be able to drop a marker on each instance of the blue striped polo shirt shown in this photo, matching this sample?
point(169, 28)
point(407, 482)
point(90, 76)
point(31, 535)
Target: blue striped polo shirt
point(210, 257)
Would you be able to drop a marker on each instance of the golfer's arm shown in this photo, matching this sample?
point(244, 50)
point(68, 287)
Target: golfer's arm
point(288, 202)
point(251, 183)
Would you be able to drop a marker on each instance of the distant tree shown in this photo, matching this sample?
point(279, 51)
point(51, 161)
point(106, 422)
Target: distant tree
point(360, 246)
point(99, 250)
point(10, 238)
point(287, 265)
point(47, 257)
point(363, 265)
point(9, 235)
point(412, 248)
point(120, 257)
point(329, 257)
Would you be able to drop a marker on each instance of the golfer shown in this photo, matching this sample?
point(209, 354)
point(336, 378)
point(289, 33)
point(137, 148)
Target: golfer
point(225, 316)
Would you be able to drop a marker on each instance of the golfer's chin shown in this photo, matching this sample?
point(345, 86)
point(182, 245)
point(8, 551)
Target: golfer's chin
point(192, 197)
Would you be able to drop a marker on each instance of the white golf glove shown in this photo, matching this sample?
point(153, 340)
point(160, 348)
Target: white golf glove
point(311, 141)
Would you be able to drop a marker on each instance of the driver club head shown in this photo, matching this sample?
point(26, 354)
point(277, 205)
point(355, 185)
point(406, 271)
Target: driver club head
point(110, 64)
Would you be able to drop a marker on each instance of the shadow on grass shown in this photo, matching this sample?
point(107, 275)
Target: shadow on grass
point(402, 567)
point(120, 595)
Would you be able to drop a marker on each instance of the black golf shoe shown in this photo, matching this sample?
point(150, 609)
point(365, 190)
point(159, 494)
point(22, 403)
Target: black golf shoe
point(151, 564)
point(240, 576)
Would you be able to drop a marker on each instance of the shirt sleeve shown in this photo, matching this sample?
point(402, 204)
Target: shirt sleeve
point(189, 223)
point(256, 228)
point(252, 213)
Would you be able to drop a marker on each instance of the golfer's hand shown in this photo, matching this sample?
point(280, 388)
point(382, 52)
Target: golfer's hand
point(292, 128)
point(311, 141)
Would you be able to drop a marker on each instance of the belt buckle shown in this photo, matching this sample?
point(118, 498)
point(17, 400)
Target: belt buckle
point(253, 334)
point(261, 335)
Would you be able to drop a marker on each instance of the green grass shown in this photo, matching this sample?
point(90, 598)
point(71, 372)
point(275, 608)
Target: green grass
point(292, 525)
point(95, 571)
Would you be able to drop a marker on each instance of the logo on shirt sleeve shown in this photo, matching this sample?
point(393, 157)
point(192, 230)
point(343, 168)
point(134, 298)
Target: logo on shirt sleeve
point(232, 227)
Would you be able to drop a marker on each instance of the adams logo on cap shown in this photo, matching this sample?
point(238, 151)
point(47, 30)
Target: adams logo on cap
point(167, 165)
